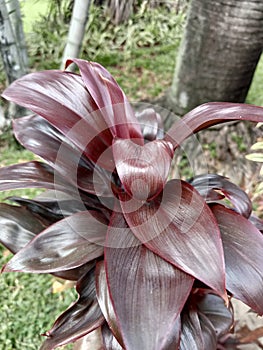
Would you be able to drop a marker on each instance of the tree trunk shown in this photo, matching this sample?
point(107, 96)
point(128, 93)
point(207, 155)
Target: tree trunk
point(13, 48)
point(120, 10)
point(219, 52)
point(12, 41)
point(13, 8)
point(77, 30)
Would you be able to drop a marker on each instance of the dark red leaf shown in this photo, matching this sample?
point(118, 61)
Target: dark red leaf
point(204, 184)
point(191, 334)
point(257, 222)
point(63, 100)
point(154, 290)
point(17, 227)
point(214, 308)
point(41, 138)
point(80, 319)
point(74, 274)
point(197, 331)
point(110, 99)
point(105, 301)
point(151, 124)
point(243, 246)
point(67, 244)
point(143, 170)
point(50, 210)
point(209, 114)
point(109, 341)
point(179, 226)
point(32, 175)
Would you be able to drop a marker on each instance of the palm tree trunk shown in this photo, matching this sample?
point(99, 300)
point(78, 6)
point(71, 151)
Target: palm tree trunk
point(120, 10)
point(219, 53)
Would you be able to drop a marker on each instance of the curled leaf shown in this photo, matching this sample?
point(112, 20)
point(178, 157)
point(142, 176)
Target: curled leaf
point(209, 114)
point(205, 184)
point(143, 170)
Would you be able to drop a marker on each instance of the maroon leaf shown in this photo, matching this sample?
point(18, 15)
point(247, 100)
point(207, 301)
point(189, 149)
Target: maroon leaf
point(191, 335)
point(143, 170)
point(67, 244)
point(243, 246)
point(204, 184)
point(76, 273)
point(197, 331)
point(109, 342)
point(105, 301)
point(209, 114)
point(214, 308)
point(63, 100)
point(256, 222)
point(41, 138)
point(110, 99)
point(50, 211)
point(179, 226)
point(154, 290)
point(32, 175)
point(151, 124)
point(17, 227)
point(80, 319)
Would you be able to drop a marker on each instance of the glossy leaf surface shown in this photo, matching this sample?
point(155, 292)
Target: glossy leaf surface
point(50, 210)
point(151, 124)
point(204, 184)
point(32, 175)
point(17, 227)
point(209, 114)
point(179, 227)
point(110, 99)
point(143, 170)
point(197, 331)
point(63, 100)
point(105, 302)
point(213, 307)
point(67, 244)
point(41, 138)
point(80, 319)
point(243, 246)
point(155, 291)
point(109, 342)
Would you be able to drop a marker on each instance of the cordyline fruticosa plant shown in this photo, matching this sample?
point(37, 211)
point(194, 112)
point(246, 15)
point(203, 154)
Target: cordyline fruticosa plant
point(155, 261)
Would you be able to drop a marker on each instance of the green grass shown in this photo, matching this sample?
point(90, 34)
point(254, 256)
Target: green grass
point(28, 308)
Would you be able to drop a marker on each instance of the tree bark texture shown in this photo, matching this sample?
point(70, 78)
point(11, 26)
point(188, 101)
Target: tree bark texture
point(222, 44)
point(76, 30)
point(120, 10)
point(13, 52)
point(13, 8)
point(12, 43)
